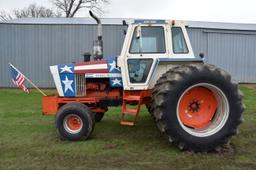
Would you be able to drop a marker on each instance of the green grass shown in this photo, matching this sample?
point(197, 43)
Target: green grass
point(29, 140)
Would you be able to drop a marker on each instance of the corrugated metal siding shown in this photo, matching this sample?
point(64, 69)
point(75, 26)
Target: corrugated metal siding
point(34, 47)
point(198, 40)
point(234, 51)
point(238, 56)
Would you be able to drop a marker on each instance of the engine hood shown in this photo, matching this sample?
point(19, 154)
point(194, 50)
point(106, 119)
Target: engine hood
point(68, 78)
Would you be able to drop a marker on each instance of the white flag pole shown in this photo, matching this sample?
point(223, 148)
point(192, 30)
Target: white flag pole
point(29, 80)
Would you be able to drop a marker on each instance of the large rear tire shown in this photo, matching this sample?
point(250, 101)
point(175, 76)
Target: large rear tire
point(75, 121)
point(197, 106)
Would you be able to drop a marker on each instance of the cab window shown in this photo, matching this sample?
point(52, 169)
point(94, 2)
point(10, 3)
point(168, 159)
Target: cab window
point(151, 40)
point(139, 69)
point(178, 41)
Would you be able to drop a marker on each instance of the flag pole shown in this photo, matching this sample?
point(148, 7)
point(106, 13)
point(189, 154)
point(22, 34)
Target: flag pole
point(29, 81)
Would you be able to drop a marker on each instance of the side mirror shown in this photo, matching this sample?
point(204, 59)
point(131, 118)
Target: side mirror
point(138, 31)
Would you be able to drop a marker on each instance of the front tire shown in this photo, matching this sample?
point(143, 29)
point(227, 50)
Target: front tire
point(197, 106)
point(75, 121)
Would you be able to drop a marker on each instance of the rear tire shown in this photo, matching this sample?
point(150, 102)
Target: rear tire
point(197, 106)
point(149, 108)
point(75, 121)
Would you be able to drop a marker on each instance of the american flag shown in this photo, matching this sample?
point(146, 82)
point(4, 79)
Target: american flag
point(18, 78)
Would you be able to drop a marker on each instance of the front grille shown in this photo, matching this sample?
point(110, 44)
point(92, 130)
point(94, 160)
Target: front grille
point(80, 84)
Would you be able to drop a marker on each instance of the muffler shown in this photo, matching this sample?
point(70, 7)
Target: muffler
point(97, 44)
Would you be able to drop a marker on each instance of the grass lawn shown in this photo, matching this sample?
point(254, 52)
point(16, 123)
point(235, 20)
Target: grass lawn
point(29, 140)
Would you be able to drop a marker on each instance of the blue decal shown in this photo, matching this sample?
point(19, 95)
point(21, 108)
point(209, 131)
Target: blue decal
point(112, 68)
point(68, 68)
point(116, 82)
point(67, 78)
point(181, 59)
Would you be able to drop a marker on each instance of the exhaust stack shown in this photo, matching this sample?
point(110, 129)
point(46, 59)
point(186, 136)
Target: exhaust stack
point(97, 44)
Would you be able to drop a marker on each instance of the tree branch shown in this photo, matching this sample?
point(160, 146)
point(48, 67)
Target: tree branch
point(71, 7)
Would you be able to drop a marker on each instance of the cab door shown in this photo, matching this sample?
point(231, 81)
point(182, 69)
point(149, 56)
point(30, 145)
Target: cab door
point(142, 55)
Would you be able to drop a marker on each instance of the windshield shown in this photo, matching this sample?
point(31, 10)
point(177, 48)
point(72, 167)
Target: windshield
point(151, 40)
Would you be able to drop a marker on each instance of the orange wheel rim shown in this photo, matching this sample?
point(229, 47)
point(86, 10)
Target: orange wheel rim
point(74, 122)
point(197, 107)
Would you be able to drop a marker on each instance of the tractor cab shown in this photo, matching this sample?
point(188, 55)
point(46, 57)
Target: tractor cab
point(149, 44)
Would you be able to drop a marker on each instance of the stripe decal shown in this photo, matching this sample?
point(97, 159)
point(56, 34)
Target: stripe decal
point(91, 71)
point(102, 75)
point(181, 59)
point(91, 67)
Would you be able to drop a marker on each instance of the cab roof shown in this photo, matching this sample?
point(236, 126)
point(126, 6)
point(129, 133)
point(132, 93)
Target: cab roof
point(149, 21)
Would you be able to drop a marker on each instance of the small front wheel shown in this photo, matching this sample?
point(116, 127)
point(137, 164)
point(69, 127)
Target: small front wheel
point(74, 121)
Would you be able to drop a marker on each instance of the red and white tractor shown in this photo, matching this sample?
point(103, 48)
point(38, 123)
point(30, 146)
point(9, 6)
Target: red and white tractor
point(196, 105)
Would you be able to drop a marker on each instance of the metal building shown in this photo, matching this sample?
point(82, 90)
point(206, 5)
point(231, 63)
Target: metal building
point(34, 44)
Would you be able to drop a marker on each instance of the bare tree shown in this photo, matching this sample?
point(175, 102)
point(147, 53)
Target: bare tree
point(35, 11)
point(71, 7)
point(5, 17)
point(32, 10)
point(68, 7)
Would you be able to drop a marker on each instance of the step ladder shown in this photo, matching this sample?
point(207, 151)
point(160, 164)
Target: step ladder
point(135, 98)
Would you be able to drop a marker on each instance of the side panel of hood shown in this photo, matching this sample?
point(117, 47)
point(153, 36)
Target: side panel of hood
point(64, 79)
point(65, 75)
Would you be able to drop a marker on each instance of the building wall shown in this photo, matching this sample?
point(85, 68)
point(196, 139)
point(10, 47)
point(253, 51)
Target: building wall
point(234, 51)
point(34, 47)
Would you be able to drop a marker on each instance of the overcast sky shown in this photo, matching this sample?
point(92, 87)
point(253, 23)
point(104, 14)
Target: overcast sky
point(239, 11)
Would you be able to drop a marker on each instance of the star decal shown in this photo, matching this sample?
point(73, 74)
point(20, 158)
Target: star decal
point(68, 84)
point(113, 66)
point(116, 82)
point(66, 68)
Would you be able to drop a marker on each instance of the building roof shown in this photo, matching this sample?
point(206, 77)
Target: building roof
point(118, 21)
point(67, 21)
